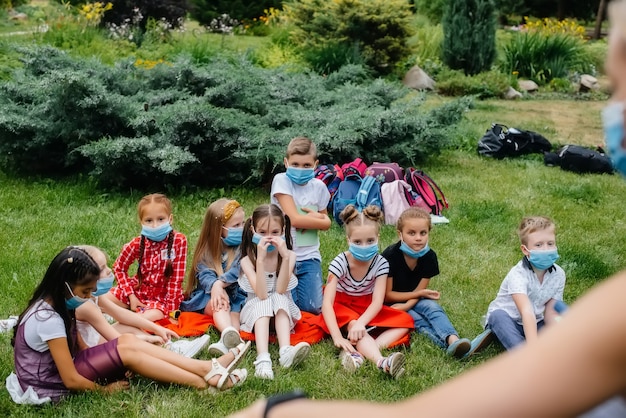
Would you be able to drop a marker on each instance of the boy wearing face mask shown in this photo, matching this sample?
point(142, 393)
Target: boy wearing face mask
point(304, 199)
point(528, 295)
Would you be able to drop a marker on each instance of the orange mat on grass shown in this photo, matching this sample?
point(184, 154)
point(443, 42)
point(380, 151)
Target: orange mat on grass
point(192, 324)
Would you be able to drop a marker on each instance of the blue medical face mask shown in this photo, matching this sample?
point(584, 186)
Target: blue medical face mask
point(104, 284)
point(233, 236)
point(363, 252)
point(412, 253)
point(613, 122)
point(74, 302)
point(543, 259)
point(256, 238)
point(300, 176)
point(158, 233)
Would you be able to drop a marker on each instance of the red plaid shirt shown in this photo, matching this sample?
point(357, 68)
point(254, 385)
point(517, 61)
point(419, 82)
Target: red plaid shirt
point(156, 292)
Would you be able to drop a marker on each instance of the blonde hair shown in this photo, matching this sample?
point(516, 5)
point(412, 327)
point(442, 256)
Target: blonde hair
point(351, 217)
point(301, 145)
point(413, 213)
point(154, 198)
point(208, 250)
point(532, 224)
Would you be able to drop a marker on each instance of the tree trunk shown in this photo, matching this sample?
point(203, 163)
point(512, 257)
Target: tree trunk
point(597, 32)
point(560, 11)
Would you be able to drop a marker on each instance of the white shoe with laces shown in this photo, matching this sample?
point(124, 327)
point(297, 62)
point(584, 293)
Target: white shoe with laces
point(189, 347)
point(263, 368)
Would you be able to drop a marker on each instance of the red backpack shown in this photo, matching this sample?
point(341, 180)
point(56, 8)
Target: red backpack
point(426, 187)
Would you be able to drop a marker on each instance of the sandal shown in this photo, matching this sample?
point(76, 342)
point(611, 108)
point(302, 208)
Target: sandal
point(237, 377)
point(239, 352)
point(224, 372)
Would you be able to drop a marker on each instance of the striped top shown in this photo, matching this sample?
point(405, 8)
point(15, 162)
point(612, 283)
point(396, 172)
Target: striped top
point(365, 286)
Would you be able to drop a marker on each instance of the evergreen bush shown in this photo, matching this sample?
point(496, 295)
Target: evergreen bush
point(220, 123)
point(469, 35)
point(377, 30)
point(204, 11)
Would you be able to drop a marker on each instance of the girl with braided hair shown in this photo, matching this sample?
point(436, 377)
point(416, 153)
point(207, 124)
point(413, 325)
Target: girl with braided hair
point(52, 360)
point(354, 296)
point(161, 254)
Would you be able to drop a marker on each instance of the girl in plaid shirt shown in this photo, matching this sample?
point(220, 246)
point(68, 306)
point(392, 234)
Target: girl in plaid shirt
point(161, 254)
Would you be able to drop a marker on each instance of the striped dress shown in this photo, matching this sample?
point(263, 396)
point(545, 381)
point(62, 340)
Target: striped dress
point(255, 308)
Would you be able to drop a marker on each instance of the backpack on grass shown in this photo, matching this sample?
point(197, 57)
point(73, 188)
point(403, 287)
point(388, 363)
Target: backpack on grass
point(579, 160)
point(360, 192)
point(500, 141)
point(385, 172)
point(432, 195)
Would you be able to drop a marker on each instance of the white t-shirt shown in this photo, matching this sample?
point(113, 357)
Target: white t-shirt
point(90, 336)
point(313, 195)
point(522, 279)
point(42, 326)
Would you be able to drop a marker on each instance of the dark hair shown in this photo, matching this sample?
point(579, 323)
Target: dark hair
point(248, 248)
point(72, 266)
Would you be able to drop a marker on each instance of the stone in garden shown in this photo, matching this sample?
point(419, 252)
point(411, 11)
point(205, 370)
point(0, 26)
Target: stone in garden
point(512, 94)
point(18, 16)
point(527, 85)
point(417, 79)
point(588, 82)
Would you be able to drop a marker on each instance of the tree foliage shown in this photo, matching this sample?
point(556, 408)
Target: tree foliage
point(469, 35)
point(374, 32)
point(204, 11)
point(223, 123)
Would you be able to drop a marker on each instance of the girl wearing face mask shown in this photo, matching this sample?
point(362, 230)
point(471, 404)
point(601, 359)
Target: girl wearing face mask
point(411, 266)
point(212, 287)
point(530, 292)
point(161, 254)
point(92, 325)
point(52, 360)
point(354, 296)
point(267, 266)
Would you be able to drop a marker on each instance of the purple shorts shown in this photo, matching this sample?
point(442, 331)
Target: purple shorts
point(101, 363)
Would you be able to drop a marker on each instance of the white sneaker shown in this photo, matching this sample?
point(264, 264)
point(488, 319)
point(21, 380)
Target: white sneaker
point(263, 369)
point(189, 347)
point(294, 354)
point(230, 337)
point(217, 349)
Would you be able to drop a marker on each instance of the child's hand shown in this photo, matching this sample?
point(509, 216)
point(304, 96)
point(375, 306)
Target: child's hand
point(262, 247)
point(281, 246)
point(356, 331)
point(164, 333)
point(219, 297)
point(116, 386)
point(313, 213)
point(343, 344)
point(430, 294)
point(135, 304)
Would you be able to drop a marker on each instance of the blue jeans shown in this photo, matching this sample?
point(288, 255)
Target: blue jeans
point(431, 320)
point(508, 331)
point(308, 294)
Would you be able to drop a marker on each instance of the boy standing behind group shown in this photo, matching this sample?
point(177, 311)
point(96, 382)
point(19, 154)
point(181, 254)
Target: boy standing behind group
point(304, 199)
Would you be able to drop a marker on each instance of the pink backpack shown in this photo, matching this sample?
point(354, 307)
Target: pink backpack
point(397, 197)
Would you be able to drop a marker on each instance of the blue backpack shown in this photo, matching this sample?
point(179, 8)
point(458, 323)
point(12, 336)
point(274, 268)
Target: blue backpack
point(360, 192)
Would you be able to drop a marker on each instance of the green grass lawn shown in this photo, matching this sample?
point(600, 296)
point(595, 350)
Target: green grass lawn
point(478, 247)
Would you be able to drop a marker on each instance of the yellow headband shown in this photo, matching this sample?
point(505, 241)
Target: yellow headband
point(229, 209)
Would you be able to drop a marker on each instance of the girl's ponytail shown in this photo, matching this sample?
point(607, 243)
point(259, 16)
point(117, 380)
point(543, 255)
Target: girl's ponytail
point(169, 269)
point(142, 247)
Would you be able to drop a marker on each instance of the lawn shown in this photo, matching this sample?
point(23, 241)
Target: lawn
point(487, 200)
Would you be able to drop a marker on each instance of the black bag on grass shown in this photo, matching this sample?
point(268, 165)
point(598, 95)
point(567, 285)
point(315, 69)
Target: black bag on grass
point(500, 141)
point(579, 160)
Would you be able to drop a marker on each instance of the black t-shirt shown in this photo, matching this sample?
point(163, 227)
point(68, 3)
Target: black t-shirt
point(405, 279)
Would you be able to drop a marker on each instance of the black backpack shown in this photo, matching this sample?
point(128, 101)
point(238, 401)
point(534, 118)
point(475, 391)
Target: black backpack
point(500, 141)
point(579, 160)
